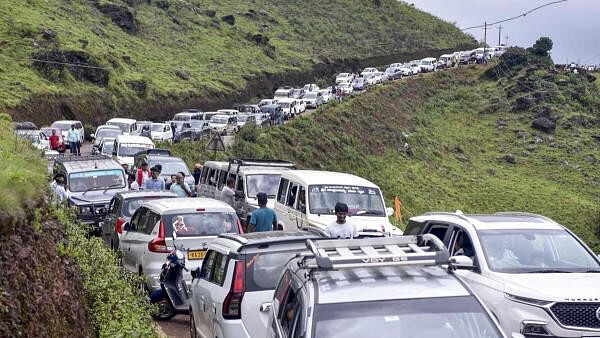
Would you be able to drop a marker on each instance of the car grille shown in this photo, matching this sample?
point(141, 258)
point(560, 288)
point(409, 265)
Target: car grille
point(584, 315)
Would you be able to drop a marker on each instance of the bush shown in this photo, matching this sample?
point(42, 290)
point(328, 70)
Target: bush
point(114, 306)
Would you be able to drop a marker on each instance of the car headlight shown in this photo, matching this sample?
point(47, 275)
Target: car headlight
point(85, 210)
point(525, 300)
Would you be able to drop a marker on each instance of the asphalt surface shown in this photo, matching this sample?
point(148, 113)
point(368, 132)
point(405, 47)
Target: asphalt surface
point(177, 327)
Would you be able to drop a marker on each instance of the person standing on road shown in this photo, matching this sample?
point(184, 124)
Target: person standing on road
point(142, 173)
point(132, 183)
point(73, 138)
point(174, 130)
point(54, 141)
point(197, 173)
point(341, 228)
point(179, 187)
point(263, 218)
point(154, 182)
point(228, 194)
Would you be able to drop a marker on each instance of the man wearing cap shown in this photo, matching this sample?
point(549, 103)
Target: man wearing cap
point(154, 182)
point(341, 228)
point(263, 218)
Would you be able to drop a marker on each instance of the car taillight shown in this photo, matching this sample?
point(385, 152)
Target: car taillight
point(159, 245)
point(232, 305)
point(119, 225)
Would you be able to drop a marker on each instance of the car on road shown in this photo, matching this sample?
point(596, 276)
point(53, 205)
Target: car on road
point(297, 93)
point(290, 107)
point(128, 126)
point(282, 93)
point(393, 73)
point(301, 105)
point(499, 50)
point(106, 146)
point(126, 146)
point(428, 64)
point(344, 77)
point(148, 237)
point(326, 94)
point(373, 78)
point(313, 99)
point(31, 133)
point(171, 165)
point(266, 102)
point(275, 113)
point(359, 84)
point(345, 88)
point(247, 108)
point(237, 280)
point(223, 124)
point(92, 181)
point(311, 87)
point(534, 274)
point(161, 132)
point(189, 115)
point(65, 125)
point(120, 209)
point(192, 130)
point(229, 112)
point(377, 287)
point(103, 131)
point(243, 119)
point(369, 70)
point(446, 61)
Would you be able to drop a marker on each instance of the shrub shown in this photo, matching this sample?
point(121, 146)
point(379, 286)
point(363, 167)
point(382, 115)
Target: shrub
point(114, 306)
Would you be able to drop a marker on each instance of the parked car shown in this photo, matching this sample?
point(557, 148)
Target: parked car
point(379, 287)
point(393, 73)
point(344, 77)
point(275, 113)
point(128, 126)
point(171, 165)
point(289, 107)
point(248, 108)
point(310, 88)
point(297, 93)
point(30, 133)
point(161, 132)
point(143, 128)
point(446, 61)
point(428, 65)
point(147, 237)
point(301, 105)
point(359, 84)
point(535, 275)
point(106, 146)
point(65, 125)
point(188, 115)
point(414, 67)
point(122, 206)
point(230, 112)
point(374, 78)
point(102, 132)
point(346, 88)
point(313, 99)
point(326, 94)
point(499, 50)
point(282, 93)
point(238, 277)
point(192, 130)
point(224, 124)
point(369, 70)
point(243, 119)
point(126, 146)
point(266, 102)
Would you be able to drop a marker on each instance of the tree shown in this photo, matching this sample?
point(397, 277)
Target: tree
point(542, 46)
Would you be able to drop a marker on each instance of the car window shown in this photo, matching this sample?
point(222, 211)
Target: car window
point(204, 175)
point(151, 221)
point(219, 269)
point(289, 312)
point(413, 228)
point(291, 195)
point(141, 224)
point(135, 220)
point(438, 230)
point(461, 244)
point(222, 178)
point(281, 194)
point(208, 265)
point(111, 206)
point(264, 269)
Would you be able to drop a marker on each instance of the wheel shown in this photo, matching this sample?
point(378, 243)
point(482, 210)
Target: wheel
point(165, 310)
point(193, 332)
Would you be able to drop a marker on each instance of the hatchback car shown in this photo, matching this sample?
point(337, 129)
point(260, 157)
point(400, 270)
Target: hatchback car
point(232, 293)
point(148, 237)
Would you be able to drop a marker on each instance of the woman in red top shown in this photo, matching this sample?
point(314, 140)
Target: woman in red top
point(54, 141)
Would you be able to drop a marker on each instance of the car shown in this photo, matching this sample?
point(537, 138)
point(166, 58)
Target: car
point(188, 115)
point(393, 73)
point(467, 57)
point(534, 274)
point(65, 125)
point(499, 50)
point(103, 131)
point(91, 181)
point(344, 77)
point(266, 102)
point(301, 105)
point(171, 165)
point(275, 113)
point(427, 64)
point(128, 126)
point(30, 133)
point(126, 146)
point(192, 130)
point(359, 84)
point(239, 276)
point(289, 107)
point(377, 287)
point(243, 119)
point(313, 99)
point(297, 93)
point(311, 87)
point(446, 61)
point(61, 141)
point(223, 124)
point(308, 198)
point(120, 209)
point(161, 132)
point(369, 70)
point(148, 237)
point(345, 88)
point(248, 108)
point(106, 146)
point(230, 112)
point(326, 94)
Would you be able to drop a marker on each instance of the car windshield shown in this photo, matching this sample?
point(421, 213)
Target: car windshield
point(361, 201)
point(171, 167)
point(130, 205)
point(102, 133)
point(61, 125)
point(263, 269)
point(122, 125)
point(247, 109)
point(201, 223)
point(158, 127)
point(535, 251)
point(267, 183)
point(181, 118)
point(310, 96)
point(219, 120)
point(130, 149)
point(108, 147)
point(96, 180)
point(448, 317)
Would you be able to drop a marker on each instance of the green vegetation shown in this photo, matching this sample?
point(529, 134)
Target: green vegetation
point(114, 305)
point(171, 53)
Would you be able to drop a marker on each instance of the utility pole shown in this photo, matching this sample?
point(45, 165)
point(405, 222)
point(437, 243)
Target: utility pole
point(485, 34)
point(506, 43)
point(499, 35)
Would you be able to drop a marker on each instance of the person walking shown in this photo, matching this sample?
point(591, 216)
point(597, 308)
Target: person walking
point(73, 139)
point(154, 182)
point(263, 218)
point(179, 187)
point(228, 194)
point(341, 228)
point(54, 141)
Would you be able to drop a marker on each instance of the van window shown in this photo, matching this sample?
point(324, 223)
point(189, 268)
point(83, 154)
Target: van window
point(211, 177)
point(283, 184)
point(204, 175)
point(78, 125)
point(239, 185)
point(222, 178)
point(291, 195)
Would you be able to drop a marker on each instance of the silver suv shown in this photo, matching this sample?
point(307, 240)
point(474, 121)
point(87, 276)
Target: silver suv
point(377, 287)
point(232, 292)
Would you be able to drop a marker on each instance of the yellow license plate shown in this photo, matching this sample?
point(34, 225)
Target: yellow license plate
point(196, 254)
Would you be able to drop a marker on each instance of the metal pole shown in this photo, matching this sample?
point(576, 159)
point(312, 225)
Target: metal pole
point(484, 36)
point(499, 35)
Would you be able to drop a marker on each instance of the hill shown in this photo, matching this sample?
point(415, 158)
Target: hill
point(91, 59)
point(460, 139)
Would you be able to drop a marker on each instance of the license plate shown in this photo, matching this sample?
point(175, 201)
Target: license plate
point(196, 254)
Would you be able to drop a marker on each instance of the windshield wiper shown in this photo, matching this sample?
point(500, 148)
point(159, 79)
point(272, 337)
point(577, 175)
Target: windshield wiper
point(112, 186)
point(549, 271)
point(368, 213)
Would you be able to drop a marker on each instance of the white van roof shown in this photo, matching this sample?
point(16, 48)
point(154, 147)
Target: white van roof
point(121, 139)
point(428, 59)
point(308, 177)
point(122, 120)
point(287, 100)
point(228, 111)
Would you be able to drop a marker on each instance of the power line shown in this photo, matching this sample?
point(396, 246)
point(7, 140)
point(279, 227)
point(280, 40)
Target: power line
point(516, 17)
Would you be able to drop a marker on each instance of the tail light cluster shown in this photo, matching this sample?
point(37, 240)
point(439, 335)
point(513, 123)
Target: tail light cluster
point(232, 305)
point(119, 225)
point(159, 245)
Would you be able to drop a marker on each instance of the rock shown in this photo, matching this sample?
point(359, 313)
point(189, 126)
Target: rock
point(491, 171)
point(596, 137)
point(174, 18)
point(523, 103)
point(510, 158)
point(544, 124)
point(127, 59)
point(501, 124)
point(230, 19)
point(49, 34)
point(215, 24)
point(55, 72)
point(522, 134)
point(537, 139)
point(182, 74)
point(259, 39)
point(99, 31)
point(251, 14)
point(531, 148)
point(458, 149)
point(462, 157)
point(121, 16)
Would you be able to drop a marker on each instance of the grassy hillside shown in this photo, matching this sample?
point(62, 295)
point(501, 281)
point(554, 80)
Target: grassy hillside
point(470, 144)
point(149, 58)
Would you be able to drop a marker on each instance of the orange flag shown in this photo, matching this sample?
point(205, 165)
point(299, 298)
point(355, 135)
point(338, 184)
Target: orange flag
point(397, 208)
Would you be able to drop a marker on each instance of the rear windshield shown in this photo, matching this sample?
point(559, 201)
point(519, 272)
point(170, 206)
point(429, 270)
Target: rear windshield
point(200, 223)
point(130, 205)
point(264, 269)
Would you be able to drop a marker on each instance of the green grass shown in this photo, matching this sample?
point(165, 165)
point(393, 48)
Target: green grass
point(218, 57)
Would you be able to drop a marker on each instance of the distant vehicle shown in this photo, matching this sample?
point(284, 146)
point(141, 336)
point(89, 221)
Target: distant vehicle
point(373, 78)
point(326, 94)
point(346, 88)
point(282, 93)
point(414, 67)
point(369, 70)
point(313, 99)
point(128, 126)
point(106, 146)
point(224, 124)
point(405, 70)
point(37, 138)
point(499, 50)
point(171, 165)
point(275, 113)
point(248, 109)
point(126, 146)
point(446, 61)
point(230, 112)
point(359, 84)
point(290, 107)
point(297, 93)
point(266, 102)
point(192, 130)
point(189, 114)
point(243, 119)
point(310, 88)
point(161, 132)
point(301, 105)
point(344, 77)
point(392, 73)
point(65, 125)
point(428, 65)
point(103, 131)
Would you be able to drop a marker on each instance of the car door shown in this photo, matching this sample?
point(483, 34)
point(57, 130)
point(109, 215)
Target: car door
point(200, 294)
point(109, 221)
point(291, 201)
point(126, 239)
point(279, 298)
point(138, 244)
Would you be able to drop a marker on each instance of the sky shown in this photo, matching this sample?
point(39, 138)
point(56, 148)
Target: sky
point(573, 26)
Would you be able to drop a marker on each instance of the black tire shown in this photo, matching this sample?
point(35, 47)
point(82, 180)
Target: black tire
point(165, 310)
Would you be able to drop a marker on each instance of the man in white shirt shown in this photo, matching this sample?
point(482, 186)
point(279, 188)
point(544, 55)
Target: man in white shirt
point(228, 194)
point(340, 228)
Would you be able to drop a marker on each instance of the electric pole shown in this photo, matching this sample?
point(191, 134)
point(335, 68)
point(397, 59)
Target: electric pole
point(499, 35)
point(484, 34)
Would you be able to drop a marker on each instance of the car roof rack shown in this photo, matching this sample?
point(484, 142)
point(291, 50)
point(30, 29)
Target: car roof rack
point(242, 162)
point(155, 151)
point(75, 158)
point(422, 250)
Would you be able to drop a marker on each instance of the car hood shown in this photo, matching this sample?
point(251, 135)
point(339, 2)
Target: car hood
point(552, 286)
point(93, 197)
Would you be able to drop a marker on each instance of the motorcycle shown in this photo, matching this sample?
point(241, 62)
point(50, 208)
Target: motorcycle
point(173, 297)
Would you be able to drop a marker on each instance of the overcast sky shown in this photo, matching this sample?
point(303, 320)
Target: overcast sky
point(574, 26)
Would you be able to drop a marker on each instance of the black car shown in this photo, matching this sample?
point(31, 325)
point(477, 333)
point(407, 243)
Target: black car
point(91, 181)
point(190, 130)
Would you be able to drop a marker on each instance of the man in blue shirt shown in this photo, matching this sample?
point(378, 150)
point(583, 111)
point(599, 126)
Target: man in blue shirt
point(154, 182)
point(73, 138)
point(263, 218)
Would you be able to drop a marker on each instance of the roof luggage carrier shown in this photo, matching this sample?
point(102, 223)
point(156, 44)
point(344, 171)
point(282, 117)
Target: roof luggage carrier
point(242, 162)
point(75, 158)
point(423, 250)
point(155, 151)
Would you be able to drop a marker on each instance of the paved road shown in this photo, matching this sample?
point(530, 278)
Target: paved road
point(177, 327)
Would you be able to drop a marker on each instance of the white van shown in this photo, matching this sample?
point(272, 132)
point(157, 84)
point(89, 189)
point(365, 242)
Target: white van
point(128, 126)
point(290, 107)
point(428, 65)
point(65, 125)
point(308, 198)
point(126, 146)
point(282, 93)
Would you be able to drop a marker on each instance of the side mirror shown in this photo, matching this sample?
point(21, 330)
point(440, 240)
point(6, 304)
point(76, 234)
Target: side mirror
point(126, 226)
point(389, 211)
point(461, 263)
point(195, 273)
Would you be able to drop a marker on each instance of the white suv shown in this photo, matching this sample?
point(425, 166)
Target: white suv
point(535, 275)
